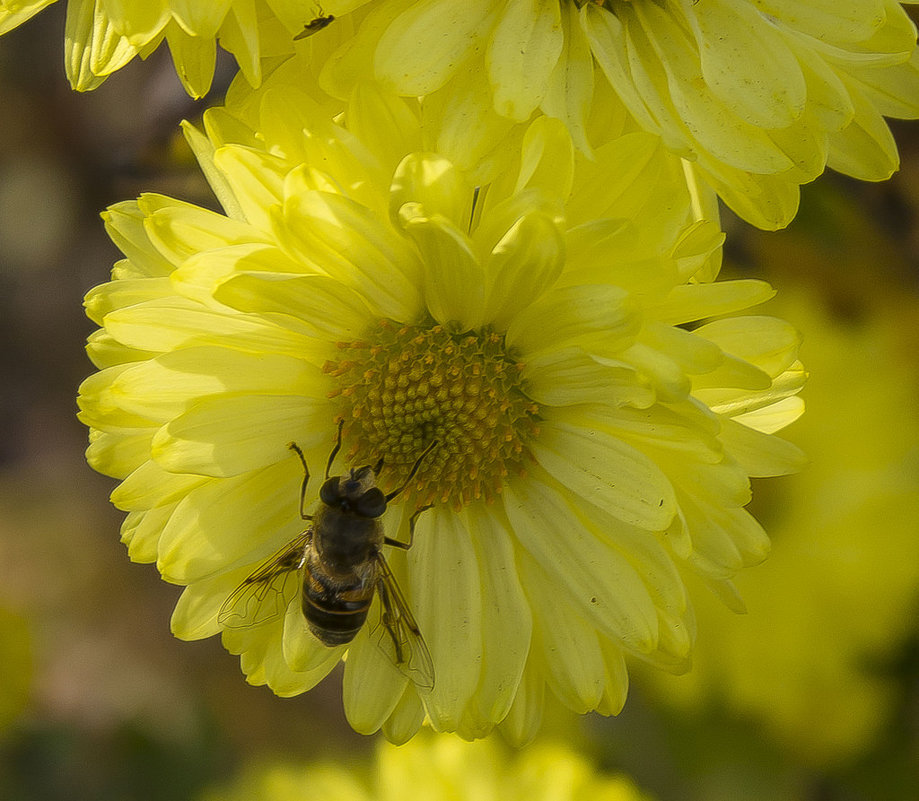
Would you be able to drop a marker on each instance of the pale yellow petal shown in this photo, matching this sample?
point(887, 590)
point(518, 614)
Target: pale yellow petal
point(570, 376)
point(767, 342)
point(372, 686)
point(406, 719)
point(454, 286)
point(525, 717)
point(195, 613)
point(597, 316)
point(226, 435)
point(204, 150)
point(506, 616)
point(194, 58)
point(13, 17)
point(179, 230)
point(424, 45)
point(525, 46)
point(761, 454)
point(613, 474)
point(603, 586)
point(169, 323)
point(352, 244)
point(124, 223)
point(141, 531)
point(200, 19)
point(547, 158)
point(748, 65)
point(564, 641)
point(303, 652)
point(93, 48)
point(689, 302)
point(321, 305)
point(256, 180)
point(570, 87)
point(523, 266)
point(212, 531)
point(387, 125)
point(446, 585)
point(149, 486)
point(435, 185)
point(139, 22)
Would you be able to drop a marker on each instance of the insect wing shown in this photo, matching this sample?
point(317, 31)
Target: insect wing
point(396, 632)
point(265, 593)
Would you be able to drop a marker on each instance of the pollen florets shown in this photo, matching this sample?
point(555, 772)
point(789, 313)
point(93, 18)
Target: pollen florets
point(411, 385)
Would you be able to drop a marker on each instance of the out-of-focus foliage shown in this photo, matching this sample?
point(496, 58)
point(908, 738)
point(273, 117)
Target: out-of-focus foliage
point(16, 659)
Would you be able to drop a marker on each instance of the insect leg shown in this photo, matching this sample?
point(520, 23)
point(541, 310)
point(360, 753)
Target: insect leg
point(306, 477)
point(335, 450)
point(411, 475)
point(411, 530)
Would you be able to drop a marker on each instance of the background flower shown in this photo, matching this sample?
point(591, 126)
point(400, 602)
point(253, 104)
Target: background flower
point(762, 95)
point(440, 769)
point(588, 445)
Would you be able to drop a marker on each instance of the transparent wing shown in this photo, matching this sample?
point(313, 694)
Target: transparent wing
point(265, 593)
point(396, 631)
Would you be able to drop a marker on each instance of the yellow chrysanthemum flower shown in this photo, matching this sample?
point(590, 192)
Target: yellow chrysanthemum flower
point(439, 769)
point(533, 346)
point(101, 36)
point(763, 94)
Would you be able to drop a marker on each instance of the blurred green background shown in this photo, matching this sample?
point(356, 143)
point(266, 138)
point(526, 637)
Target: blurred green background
point(813, 695)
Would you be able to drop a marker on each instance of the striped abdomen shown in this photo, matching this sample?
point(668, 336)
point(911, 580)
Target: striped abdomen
point(335, 607)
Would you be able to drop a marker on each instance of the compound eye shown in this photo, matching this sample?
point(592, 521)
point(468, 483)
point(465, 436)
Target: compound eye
point(372, 503)
point(329, 493)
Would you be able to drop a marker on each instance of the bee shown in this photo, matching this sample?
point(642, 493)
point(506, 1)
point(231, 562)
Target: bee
point(341, 567)
point(315, 25)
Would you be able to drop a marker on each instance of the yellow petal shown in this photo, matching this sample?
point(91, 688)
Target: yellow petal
point(423, 46)
point(445, 582)
point(599, 582)
point(523, 51)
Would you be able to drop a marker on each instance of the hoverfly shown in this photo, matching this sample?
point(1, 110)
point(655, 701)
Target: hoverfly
point(315, 25)
point(341, 567)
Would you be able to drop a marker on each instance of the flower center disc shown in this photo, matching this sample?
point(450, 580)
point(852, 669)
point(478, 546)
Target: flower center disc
point(414, 385)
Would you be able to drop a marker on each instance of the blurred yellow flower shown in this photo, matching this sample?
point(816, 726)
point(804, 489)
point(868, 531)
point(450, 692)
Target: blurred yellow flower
point(844, 576)
point(762, 94)
point(440, 769)
point(101, 36)
point(591, 437)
